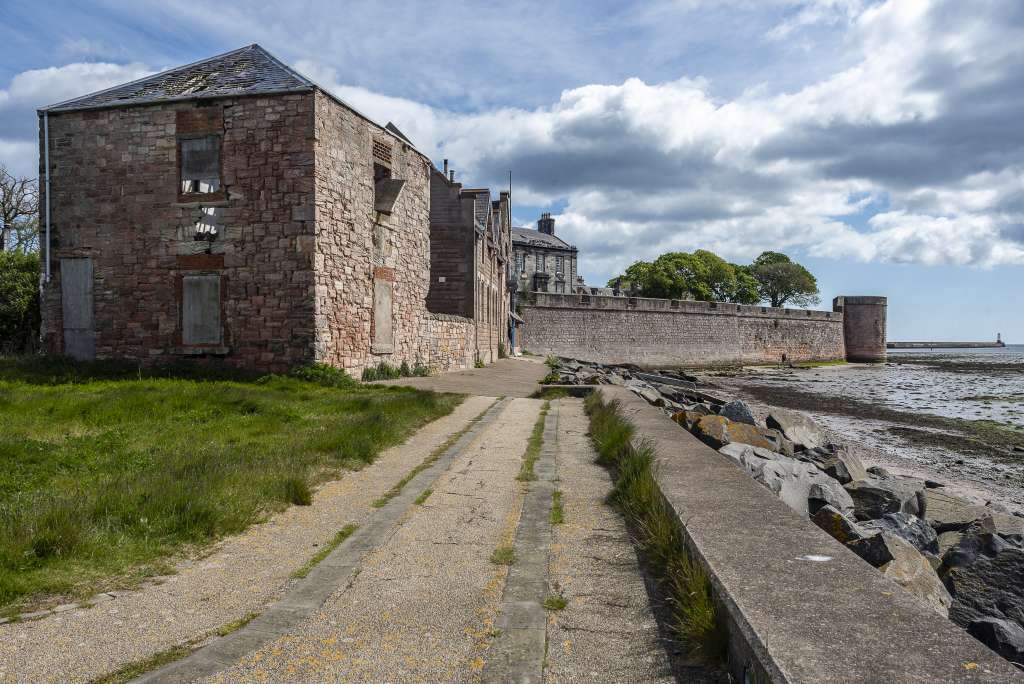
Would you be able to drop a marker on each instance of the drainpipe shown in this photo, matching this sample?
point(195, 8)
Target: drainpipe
point(46, 162)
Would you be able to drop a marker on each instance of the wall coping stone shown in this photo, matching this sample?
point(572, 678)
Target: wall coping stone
point(793, 619)
point(589, 302)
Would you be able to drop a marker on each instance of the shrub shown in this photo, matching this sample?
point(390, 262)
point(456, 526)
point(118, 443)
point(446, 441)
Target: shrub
point(386, 371)
point(551, 361)
point(323, 374)
point(370, 374)
point(479, 363)
point(501, 351)
point(19, 302)
point(404, 370)
point(420, 371)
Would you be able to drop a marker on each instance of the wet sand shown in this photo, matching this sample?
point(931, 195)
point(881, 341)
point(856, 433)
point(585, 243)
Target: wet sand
point(956, 418)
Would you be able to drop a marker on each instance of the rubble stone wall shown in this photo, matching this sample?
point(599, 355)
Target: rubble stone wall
point(663, 332)
point(447, 342)
point(115, 198)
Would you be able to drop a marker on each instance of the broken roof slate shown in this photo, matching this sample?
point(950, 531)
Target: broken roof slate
point(247, 71)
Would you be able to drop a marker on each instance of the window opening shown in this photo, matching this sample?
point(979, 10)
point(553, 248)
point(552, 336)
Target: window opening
point(200, 165)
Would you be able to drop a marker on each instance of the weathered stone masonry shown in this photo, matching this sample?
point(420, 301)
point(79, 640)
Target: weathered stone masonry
point(299, 232)
point(677, 332)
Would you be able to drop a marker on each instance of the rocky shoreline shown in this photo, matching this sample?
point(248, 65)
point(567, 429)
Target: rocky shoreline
point(962, 555)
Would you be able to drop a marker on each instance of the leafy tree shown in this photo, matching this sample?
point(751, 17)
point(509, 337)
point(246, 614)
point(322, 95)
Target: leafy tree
point(19, 301)
point(702, 275)
point(19, 213)
point(782, 280)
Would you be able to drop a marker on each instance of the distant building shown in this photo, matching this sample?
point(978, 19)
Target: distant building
point(544, 262)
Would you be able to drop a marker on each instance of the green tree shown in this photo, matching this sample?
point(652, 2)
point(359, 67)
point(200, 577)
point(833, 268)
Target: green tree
point(19, 301)
point(782, 281)
point(702, 275)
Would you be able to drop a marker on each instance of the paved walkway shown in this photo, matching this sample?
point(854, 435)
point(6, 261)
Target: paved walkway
point(505, 377)
point(415, 594)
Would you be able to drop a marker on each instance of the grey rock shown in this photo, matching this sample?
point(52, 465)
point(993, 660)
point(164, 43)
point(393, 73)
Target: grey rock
point(874, 497)
point(949, 512)
point(836, 461)
point(800, 485)
point(879, 472)
point(666, 380)
point(985, 575)
point(948, 540)
point(1003, 636)
point(902, 563)
point(738, 451)
point(739, 412)
point(615, 379)
point(908, 527)
point(797, 428)
point(841, 527)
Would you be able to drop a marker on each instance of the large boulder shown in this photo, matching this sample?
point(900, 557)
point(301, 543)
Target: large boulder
point(906, 566)
point(717, 431)
point(985, 575)
point(948, 512)
point(800, 485)
point(836, 461)
point(841, 527)
point(1003, 636)
point(908, 527)
point(797, 428)
point(874, 497)
point(738, 412)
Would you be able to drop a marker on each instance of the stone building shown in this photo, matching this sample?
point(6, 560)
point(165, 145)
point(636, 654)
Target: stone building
point(544, 262)
point(471, 243)
point(231, 208)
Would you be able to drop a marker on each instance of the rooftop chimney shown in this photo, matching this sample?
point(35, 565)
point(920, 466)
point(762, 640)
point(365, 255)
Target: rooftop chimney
point(445, 168)
point(451, 175)
point(546, 224)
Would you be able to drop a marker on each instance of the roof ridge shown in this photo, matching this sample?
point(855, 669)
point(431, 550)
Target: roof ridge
point(165, 72)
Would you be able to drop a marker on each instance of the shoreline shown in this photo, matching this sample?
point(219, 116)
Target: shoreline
point(979, 459)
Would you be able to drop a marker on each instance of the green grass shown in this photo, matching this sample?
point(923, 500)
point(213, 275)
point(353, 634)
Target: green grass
point(334, 543)
point(108, 471)
point(427, 462)
point(555, 603)
point(533, 446)
point(697, 620)
point(424, 495)
point(557, 512)
point(503, 555)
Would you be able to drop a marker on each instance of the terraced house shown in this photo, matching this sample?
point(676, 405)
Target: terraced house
point(233, 209)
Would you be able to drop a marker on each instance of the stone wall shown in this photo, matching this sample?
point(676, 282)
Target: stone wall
point(116, 200)
point(663, 332)
point(447, 342)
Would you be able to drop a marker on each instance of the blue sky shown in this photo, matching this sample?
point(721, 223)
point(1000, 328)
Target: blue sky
point(878, 142)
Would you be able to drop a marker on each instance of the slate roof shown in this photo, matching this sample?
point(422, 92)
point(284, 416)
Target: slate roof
point(535, 238)
point(482, 207)
point(247, 71)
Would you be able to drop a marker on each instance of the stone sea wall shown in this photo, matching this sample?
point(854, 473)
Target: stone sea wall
point(676, 332)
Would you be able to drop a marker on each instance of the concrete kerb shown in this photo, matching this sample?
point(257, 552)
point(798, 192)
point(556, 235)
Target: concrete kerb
point(336, 571)
point(517, 654)
point(800, 606)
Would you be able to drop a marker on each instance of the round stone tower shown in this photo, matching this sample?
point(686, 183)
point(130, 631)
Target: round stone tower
point(863, 327)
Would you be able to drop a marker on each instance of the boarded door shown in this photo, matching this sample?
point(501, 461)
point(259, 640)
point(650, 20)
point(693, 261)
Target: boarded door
point(76, 305)
point(200, 310)
point(383, 326)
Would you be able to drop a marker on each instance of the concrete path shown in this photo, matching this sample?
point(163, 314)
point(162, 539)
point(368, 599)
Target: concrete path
point(423, 604)
point(241, 575)
point(505, 377)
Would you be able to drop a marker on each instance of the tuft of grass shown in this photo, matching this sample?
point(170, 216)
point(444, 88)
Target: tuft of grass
point(130, 671)
point(557, 512)
point(503, 555)
point(323, 374)
point(235, 625)
point(427, 462)
point(698, 621)
point(533, 447)
point(110, 471)
point(550, 393)
point(479, 363)
point(551, 361)
point(555, 603)
point(334, 543)
point(424, 495)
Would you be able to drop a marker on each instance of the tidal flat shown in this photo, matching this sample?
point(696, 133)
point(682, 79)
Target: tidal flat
point(953, 416)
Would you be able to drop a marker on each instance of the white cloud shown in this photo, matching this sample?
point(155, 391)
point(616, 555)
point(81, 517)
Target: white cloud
point(40, 87)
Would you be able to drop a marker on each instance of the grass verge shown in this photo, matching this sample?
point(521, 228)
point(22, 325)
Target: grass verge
point(428, 461)
point(110, 471)
point(533, 446)
point(503, 555)
point(557, 512)
point(697, 620)
point(334, 543)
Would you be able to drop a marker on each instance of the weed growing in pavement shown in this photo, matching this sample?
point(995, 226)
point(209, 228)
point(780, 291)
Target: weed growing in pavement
point(557, 512)
point(698, 621)
point(424, 495)
point(334, 543)
point(555, 603)
point(533, 446)
point(503, 555)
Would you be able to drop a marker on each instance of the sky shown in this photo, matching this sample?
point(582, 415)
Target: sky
point(878, 142)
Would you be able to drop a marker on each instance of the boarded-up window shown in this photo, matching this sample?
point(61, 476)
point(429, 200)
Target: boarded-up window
point(383, 326)
point(200, 310)
point(200, 164)
point(77, 308)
